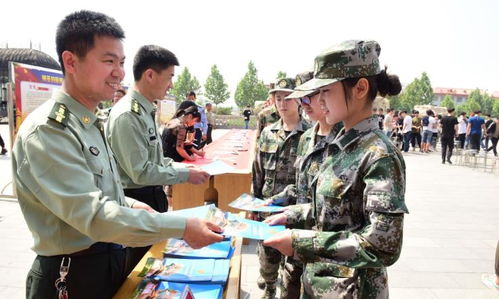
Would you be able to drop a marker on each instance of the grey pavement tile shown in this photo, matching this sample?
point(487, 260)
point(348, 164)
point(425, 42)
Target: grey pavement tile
point(421, 280)
point(465, 294)
point(12, 292)
point(468, 280)
point(411, 293)
point(437, 265)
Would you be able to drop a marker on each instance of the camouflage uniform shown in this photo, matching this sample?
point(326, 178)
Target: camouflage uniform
point(310, 155)
point(358, 209)
point(273, 170)
point(266, 117)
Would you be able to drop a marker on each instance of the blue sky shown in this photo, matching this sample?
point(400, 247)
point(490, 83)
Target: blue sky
point(455, 42)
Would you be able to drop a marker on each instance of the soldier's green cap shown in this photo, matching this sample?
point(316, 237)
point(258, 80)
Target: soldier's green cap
point(286, 84)
point(300, 79)
point(349, 59)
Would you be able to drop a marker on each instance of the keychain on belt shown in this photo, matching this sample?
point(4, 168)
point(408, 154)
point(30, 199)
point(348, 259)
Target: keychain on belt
point(60, 283)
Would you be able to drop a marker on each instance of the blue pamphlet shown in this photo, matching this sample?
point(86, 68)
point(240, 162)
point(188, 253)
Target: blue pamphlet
point(179, 248)
point(249, 203)
point(176, 290)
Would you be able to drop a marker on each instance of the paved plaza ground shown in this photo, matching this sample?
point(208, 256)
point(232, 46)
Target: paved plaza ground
point(450, 235)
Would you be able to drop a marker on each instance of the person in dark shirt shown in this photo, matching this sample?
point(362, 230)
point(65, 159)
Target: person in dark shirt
point(246, 114)
point(485, 138)
point(475, 126)
point(381, 118)
point(449, 131)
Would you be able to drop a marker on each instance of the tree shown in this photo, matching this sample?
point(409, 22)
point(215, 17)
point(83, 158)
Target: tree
point(425, 91)
point(469, 106)
point(281, 75)
point(184, 84)
point(250, 89)
point(448, 102)
point(215, 87)
point(495, 108)
point(395, 102)
point(410, 95)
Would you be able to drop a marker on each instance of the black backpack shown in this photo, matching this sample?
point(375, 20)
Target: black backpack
point(426, 121)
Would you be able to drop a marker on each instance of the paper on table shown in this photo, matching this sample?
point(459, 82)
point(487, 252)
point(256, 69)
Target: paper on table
point(217, 167)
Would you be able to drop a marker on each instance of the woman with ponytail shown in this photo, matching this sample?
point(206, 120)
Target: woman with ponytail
point(358, 204)
point(175, 132)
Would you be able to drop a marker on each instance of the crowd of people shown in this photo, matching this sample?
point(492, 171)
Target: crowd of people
point(423, 132)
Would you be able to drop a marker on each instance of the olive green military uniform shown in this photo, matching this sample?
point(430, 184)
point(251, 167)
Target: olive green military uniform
point(266, 117)
point(72, 200)
point(273, 170)
point(358, 209)
point(132, 135)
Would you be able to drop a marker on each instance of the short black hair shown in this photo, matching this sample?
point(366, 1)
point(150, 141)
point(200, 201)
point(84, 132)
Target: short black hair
point(76, 32)
point(152, 57)
point(191, 93)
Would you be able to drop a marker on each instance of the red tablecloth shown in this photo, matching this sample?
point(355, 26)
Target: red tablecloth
point(233, 148)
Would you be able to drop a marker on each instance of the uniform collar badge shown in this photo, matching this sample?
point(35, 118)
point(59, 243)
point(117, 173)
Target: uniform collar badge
point(85, 119)
point(95, 151)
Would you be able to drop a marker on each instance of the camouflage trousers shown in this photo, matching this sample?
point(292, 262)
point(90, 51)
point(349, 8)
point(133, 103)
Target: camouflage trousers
point(291, 278)
point(271, 261)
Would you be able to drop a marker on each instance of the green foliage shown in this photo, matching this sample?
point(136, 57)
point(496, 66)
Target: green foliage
point(484, 101)
point(215, 87)
point(239, 123)
point(281, 75)
point(222, 110)
point(250, 89)
point(448, 102)
point(184, 84)
point(495, 108)
point(418, 92)
point(469, 106)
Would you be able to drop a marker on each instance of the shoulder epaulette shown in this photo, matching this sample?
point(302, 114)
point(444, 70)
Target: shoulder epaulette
point(60, 114)
point(135, 106)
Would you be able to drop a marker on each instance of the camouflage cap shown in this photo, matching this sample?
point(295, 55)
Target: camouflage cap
point(300, 79)
point(349, 59)
point(286, 84)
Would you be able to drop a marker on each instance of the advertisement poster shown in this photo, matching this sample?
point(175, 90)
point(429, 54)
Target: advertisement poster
point(167, 110)
point(32, 87)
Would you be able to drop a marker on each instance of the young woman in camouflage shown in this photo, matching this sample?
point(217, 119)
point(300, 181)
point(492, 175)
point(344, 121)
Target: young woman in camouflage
point(310, 155)
point(358, 202)
point(273, 169)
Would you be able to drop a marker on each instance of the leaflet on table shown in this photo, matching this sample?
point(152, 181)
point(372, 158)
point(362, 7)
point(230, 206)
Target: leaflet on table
point(217, 167)
point(198, 212)
point(240, 227)
point(151, 288)
point(249, 203)
point(179, 248)
point(187, 270)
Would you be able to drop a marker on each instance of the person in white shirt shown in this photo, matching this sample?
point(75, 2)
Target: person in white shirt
point(461, 129)
point(406, 130)
point(388, 122)
point(429, 123)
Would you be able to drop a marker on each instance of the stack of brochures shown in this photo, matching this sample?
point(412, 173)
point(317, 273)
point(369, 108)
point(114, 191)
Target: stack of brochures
point(153, 288)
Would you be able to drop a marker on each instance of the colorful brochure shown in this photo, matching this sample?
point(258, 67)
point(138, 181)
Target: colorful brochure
point(152, 288)
point(179, 248)
point(249, 203)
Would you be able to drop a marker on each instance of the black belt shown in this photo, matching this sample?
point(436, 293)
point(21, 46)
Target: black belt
point(146, 190)
point(96, 248)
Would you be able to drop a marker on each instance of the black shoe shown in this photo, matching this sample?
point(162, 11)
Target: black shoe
point(448, 160)
point(443, 162)
point(4, 151)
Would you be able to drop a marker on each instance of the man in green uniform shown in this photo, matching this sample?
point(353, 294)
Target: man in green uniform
point(273, 169)
point(67, 182)
point(132, 134)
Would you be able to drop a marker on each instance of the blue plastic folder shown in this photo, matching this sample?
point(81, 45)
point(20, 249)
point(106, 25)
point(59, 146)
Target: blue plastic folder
point(250, 203)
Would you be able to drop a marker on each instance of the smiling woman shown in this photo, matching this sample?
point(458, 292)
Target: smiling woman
point(352, 230)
